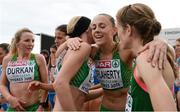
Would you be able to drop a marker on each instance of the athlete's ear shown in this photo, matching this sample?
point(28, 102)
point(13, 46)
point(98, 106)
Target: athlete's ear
point(115, 31)
point(129, 30)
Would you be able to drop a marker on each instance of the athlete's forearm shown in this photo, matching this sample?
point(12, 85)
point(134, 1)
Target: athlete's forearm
point(48, 87)
point(64, 96)
point(5, 92)
point(61, 48)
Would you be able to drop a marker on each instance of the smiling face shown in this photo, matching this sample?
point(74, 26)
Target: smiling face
point(102, 30)
point(26, 42)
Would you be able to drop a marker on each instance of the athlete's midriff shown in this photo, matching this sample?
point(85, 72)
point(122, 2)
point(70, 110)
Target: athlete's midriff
point(20, 91)
point(115, 100)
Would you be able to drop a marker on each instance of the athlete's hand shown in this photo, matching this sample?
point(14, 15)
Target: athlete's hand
point(34, 85)
point(52, 78)
point(157, 52)
point(74, 43)
point(16, 103)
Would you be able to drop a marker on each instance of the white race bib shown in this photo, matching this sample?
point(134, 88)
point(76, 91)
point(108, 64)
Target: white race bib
point(109, 73)
point(129, 103)
point(88, 82)
point(20, 71)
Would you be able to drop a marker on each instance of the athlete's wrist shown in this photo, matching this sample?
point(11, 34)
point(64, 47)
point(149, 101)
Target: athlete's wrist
point(8, 97)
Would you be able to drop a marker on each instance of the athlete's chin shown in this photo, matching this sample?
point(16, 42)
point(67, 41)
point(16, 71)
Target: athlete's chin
point(99, 43)
point(28, 51)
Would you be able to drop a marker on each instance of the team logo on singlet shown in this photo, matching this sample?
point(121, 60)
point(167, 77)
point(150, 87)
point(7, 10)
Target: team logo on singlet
point(20, 71)
point(115, 63)
point(109, 73)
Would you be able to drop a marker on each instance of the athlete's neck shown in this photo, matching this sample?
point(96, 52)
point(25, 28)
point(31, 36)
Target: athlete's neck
point(136, 47)
point(108, 48)
point(22, 55)
point(85, 37)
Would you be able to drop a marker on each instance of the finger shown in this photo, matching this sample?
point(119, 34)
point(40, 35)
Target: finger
point(164, 61)
point(30, 91)
point(76, 44)
point(80, 40)
point(155, 57)
point(17, 108)
point(151, 53)
point(69, 46)
point(161, 60)
point(143, 49)
point(73, 46)
point(37, 84)
point(22, 102)
point(165, 56)
point(21, 107)
point(29, 86)
point(95, 46)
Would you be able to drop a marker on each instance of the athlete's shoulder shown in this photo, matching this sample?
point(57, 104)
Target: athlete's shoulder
point(142, 57)
point(7, 58)
point(39, 58)
point(85, 47)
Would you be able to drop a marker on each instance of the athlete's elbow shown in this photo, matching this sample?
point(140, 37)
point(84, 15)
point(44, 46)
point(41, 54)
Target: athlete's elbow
point(59, 85)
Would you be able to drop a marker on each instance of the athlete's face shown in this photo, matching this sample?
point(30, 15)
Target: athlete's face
point(177, 49)
point(102, 30)
point(60, 37)
point(26, 42)
point(2, 54)
point(123, 35)
point(52, 52)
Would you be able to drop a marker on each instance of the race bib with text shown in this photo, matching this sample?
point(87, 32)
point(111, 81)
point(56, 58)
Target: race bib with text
point(109, 73)
point(129, 103)
point(88, 82)
point(20, 71)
